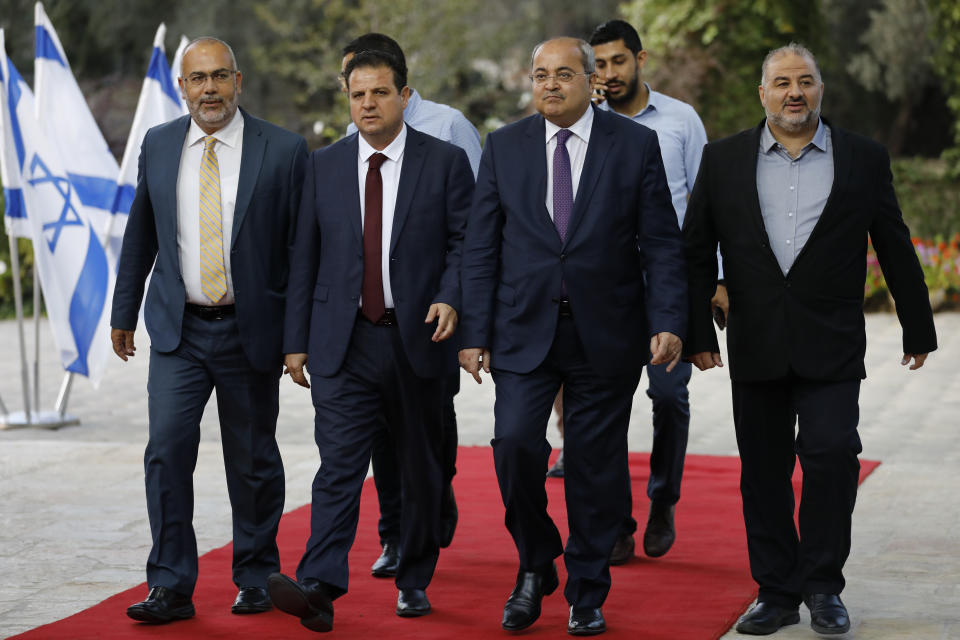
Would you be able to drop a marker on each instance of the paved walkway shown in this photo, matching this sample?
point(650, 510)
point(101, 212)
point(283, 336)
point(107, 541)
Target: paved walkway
point(73, 527)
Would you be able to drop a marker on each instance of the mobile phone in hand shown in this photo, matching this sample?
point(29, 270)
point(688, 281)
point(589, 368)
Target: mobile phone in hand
point(720, 318)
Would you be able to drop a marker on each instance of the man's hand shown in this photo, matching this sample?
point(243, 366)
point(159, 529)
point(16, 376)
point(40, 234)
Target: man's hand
point(598, 92)
point(294, 363)
point(666, 347)
point(706, 360)
point(472, 360)
point(446, 317)
point(918, 359)
point(722, 302)
point(122, 343)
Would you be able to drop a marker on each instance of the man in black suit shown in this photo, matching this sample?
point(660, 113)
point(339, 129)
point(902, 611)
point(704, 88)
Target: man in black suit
point(567, 202)
point(791, 203)
point(214, 213)
point(375, 266)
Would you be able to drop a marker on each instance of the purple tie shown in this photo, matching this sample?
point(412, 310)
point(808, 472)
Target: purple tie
point(562, 185)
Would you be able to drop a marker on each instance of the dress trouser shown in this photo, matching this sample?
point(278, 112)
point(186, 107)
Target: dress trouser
point(376, 386)
point(596, 417)
point(787, 562)
point(210, 357)
point(386, 470)
point(671, 428)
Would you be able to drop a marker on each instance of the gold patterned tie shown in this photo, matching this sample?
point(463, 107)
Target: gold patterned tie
point(213, 275)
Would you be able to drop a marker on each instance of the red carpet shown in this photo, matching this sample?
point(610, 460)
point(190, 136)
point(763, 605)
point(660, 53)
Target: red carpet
point(696, 591)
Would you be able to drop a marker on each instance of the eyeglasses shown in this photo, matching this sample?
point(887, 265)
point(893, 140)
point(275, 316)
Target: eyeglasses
point(563, 77)
point(220, 76)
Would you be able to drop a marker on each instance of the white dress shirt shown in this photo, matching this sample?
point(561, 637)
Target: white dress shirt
point(229, 147)
point(576, 149)
point(390, 174)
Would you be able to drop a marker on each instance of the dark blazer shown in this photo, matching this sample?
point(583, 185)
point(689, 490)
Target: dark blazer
point(436, 184)
point(514, 261)
point(809, 322)
point(268, 198)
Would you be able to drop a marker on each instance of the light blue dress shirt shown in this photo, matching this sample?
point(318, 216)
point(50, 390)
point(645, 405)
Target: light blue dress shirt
point(441, 121)
point(793, 191)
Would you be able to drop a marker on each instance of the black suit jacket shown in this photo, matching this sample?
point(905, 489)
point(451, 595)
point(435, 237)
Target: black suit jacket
point(268, 197)
point(426, 240)
point(809, 322)
point(622, 260)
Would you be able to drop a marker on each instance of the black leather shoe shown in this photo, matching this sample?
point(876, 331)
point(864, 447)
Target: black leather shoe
point(827, 613)
point(251, 600)
point(622, 549)
point(556, 471)
point(386, 565)
point(448, 517)
point(523, 605)
point(660, 533)
point(586, 622)
point(308, 601)
point(412, 603)
point(765, 618)
point(161, 606)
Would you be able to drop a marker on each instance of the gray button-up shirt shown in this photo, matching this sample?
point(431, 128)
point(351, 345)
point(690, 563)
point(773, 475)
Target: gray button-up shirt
point(793, 191)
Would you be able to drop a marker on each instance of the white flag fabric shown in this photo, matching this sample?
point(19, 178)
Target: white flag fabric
point(14, 214)
point(159, 102)
point(74, 272)
point(66, 119)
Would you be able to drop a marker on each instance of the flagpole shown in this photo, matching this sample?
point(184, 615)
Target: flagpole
point(64, 395)
point(36, 339)
point(18, 303)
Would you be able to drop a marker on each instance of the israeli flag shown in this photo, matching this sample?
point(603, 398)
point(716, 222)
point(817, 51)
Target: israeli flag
point(74, 273)
point(14, 214)
point(159, 102)
point(66, 119)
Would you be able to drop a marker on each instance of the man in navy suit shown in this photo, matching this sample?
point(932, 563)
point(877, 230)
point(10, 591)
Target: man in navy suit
point(566, 203)
point(375, 266)
point(215, 207)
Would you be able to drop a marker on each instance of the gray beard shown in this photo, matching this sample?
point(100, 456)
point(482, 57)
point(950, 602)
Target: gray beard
point(794, 125)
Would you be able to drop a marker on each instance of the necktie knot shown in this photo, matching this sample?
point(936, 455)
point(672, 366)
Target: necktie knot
point(376, 160)
point(208, 142)
point(563, 135)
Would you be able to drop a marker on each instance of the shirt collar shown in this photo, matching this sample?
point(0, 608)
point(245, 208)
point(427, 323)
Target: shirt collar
point(768, 142)
point(393, 151)
point(230, 135)
point(581, 128)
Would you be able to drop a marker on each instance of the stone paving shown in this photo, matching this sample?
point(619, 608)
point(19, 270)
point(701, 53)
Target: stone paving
point(73, 526)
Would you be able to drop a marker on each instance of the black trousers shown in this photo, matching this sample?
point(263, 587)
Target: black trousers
point(375, 387)
point(596, 416)
point(386, 469)
point(787, 561)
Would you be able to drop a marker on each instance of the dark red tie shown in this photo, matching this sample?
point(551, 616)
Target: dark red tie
point(372, 305)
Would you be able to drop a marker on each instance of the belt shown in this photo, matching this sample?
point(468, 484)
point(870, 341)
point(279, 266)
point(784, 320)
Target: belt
point(388, 319)
point(565, 311)
point(210, 313)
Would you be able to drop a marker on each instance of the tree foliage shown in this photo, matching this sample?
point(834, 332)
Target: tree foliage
point(946, 33)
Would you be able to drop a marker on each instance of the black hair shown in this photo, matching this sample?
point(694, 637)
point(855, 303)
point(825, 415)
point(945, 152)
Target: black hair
point(614, 30)
point(370, 58)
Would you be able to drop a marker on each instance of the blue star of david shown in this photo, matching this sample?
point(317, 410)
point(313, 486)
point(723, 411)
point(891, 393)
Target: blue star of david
point(68, 215)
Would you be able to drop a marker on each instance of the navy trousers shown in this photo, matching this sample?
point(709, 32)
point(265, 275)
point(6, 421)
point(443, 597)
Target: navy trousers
point(596, 417)
point(375, 389)
point(784, 561)
point(210, 357)
point(386, 468)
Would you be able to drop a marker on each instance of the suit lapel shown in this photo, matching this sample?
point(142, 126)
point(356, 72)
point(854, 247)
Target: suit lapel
point(413, 159)
point(842, 163)
point(254, 145)
point(169, 146)
point(349, 177)
point(534, 149)
point(747, 164)
point(601, 141)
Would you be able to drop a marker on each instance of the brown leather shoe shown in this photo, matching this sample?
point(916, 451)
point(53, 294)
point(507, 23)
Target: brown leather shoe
point(622, 550)
point(660, 532)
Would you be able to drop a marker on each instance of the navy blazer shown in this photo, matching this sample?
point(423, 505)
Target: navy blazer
point(268, 198)
point(810, 321)
point(622, 261)
point(436, 184)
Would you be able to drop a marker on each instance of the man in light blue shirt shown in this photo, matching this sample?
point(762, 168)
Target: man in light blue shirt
point(620, 58)
point(448, 124)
